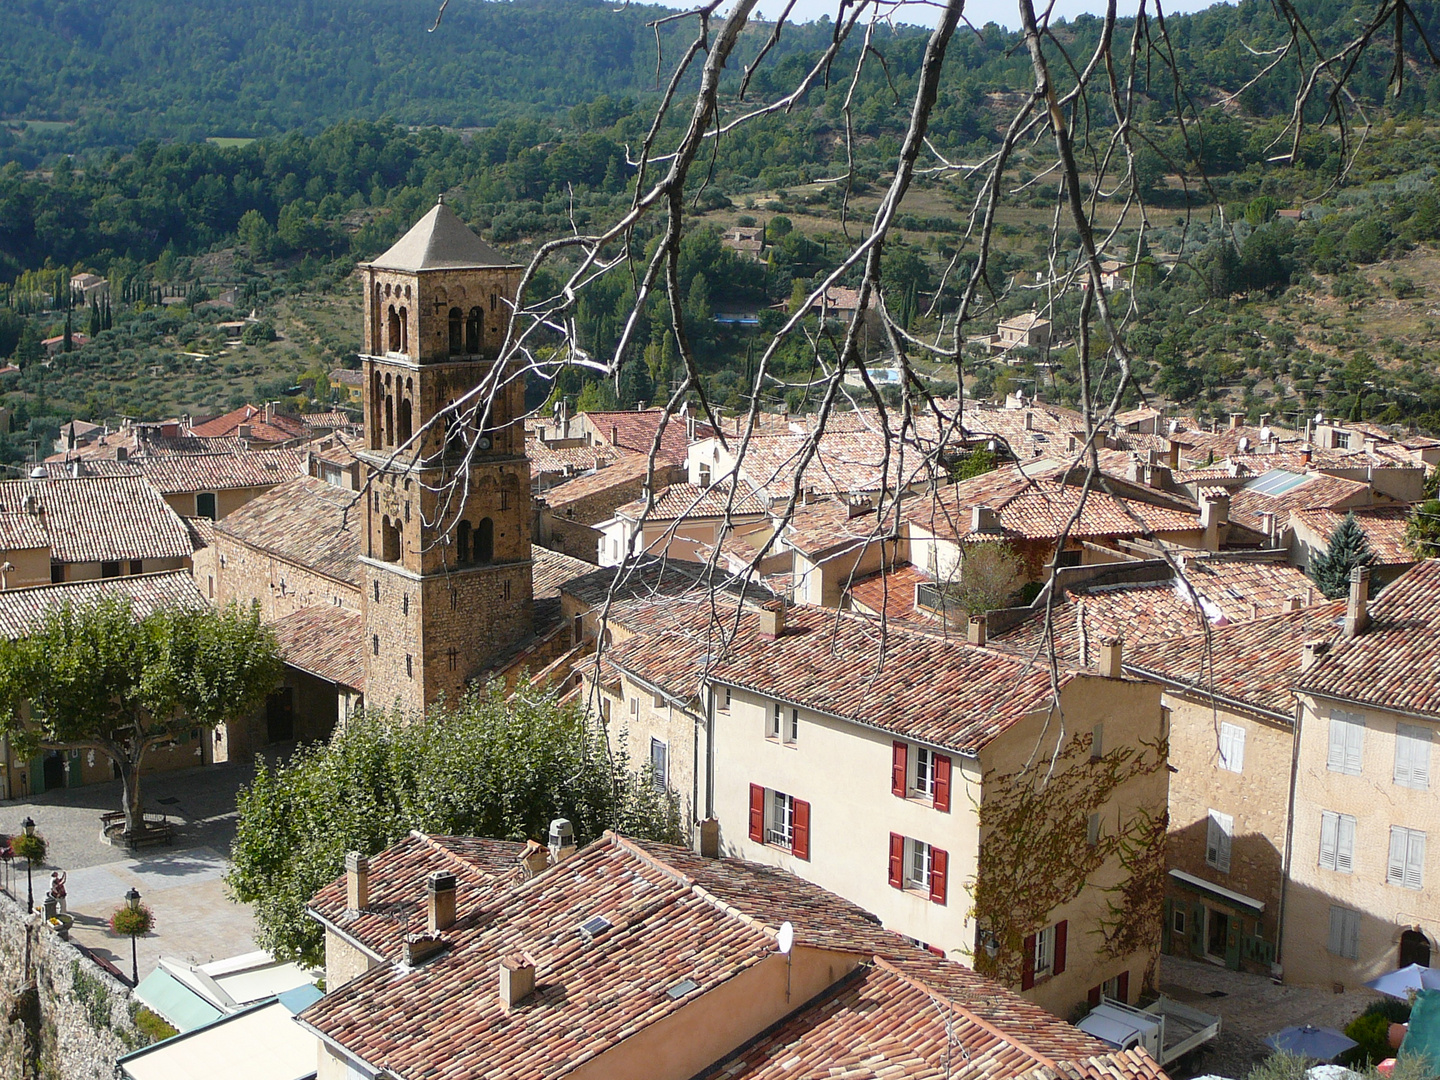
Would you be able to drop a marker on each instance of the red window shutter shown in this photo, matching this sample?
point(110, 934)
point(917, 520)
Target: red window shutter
point(897, 861)
point(939, 866)
point(800, 834)
point(757, 813)
point(897, 769)
point(1092, 998)
point(942, 782)
point(1060, 932)
point(1123, 990)
point(1027, 963)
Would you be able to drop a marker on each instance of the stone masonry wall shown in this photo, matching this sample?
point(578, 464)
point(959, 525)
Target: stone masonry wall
point(72, 1021)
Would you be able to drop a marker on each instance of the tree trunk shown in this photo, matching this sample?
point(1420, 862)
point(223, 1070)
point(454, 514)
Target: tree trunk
point(130, 795)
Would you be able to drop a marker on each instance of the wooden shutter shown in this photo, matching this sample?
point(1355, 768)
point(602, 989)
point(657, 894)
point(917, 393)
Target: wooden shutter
point(1329, 830)
point(1398, 850)
point(939, 868)
point(1354, 746)
point(897, 861)
point(1061, 932)
point(1403, 754)
point(1092, 996)
point(800, 835)
point(942, 782)
point(1335, 761)
point(1123, 990)
point(1345, 844)
point(757, 813)
point(1027, 963)
point(1415, 860)
point(897, 769)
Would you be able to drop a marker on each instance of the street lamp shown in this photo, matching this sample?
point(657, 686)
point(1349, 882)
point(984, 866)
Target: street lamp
point(132, 901)
point(29, 826)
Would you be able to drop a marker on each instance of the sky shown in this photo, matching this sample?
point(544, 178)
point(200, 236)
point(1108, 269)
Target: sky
point(979, 12)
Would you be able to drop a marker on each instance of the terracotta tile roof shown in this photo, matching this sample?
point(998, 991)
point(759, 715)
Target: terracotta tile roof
point(843, 462)
point(397, 886)
point(695, 502)
point(347, 377)
point(834, 663)
point(1395, 663)
point(1256, 663)
point(277, 428)
point(1317, 492)
point(336, 447)
point(628, 469)
point(20, 531)
point(176, 473)
point(566, 460)
point(552, 569)
point(1199, 445)
point(303, 521)
point(891, 592)
point(635, 431)
point(329, 420)
point(101, 518)
point(22, 610)
point(201, 530)
point(325, 640)
point(1384, 527)
point(824, 527)
point(674, 916)
point(1238, 589)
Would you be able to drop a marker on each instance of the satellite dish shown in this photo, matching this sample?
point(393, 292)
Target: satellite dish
point(785, 939)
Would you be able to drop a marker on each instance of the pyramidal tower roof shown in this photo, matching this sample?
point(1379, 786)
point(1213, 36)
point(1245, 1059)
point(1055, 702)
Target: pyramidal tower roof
point(440, 241)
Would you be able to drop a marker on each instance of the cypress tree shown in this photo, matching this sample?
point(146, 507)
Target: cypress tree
point(94, 318)
point(1348, 548)
point(69, 334)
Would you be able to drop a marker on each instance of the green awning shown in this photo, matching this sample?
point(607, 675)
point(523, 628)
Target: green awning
point(186, 1010)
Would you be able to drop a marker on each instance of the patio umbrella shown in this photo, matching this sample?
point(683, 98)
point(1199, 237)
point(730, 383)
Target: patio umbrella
point(1320, 1043)
point(1401, 983)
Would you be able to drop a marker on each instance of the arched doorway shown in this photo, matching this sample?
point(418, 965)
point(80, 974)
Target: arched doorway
point(1414, 949)
point(393, 325)
point(474, 330)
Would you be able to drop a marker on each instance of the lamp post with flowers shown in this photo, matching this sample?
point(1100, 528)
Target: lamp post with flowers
point(133, 919)
point(30, 846)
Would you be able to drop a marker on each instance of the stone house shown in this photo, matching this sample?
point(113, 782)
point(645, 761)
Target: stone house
point(681, 522)
point(256, 427)
point(885, 781)
point(628, 958)
point(215, 485)
point(1364, 889)
point(569, 515)
point(1230, 695)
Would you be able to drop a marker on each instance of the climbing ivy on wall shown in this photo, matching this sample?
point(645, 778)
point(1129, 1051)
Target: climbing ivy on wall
point(1036, 852)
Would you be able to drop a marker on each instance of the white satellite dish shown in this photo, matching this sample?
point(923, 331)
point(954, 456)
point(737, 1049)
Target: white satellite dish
point(785, 939)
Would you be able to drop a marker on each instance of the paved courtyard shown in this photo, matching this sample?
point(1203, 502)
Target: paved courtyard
point(181, 884)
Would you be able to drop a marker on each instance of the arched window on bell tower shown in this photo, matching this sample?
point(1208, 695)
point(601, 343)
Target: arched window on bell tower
point(377, 317)
point(389, 540)
point(404, 331)
point(457, 331)
point(389, 417)
point(377, 409)
point(485, 541)
point(462, 543)
point(392, 343)
point(405, 422)
point(474, 330)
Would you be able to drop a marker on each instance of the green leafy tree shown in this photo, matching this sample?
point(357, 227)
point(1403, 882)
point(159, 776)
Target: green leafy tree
point(1422, 531)
point(597, 396)
point(98, 678)
point(256, 233)
point(635, 384)
point(989, 576)
point(1349, 547)
point(491, 766)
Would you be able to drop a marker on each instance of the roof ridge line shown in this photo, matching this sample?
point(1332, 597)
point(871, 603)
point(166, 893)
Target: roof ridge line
point(444, 852)
point(964, 1011)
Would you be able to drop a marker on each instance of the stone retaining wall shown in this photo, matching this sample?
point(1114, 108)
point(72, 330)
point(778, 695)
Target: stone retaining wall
point(68, 1018)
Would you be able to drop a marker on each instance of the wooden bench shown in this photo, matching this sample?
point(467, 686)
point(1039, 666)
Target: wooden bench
point(156, 832)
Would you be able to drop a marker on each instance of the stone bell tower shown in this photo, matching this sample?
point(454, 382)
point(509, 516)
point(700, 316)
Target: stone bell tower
point(446, 546)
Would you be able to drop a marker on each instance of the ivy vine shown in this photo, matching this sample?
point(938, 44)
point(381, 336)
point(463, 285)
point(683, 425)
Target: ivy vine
point(1036, 851)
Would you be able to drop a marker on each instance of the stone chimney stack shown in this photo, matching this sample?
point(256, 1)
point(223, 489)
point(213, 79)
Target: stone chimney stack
point(440, 900)
point(1214, 514)
point(1112, 651)
point(1357, 611)
point(357, 882)
point(535, 858)
point(1294, 603)
point(517, 979)
point(977, 630)
point(1311, 652)
point(772, 620)
point(1236, 420)
point(562, 840)
point(707, 838)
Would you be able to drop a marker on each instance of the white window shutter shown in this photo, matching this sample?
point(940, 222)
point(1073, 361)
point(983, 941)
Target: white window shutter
point(1337, 930)
point(1217, 852)
point(1420, 759)
point(1232, 747)
point(1415, 860)
point(1404, 752)
point(1345, 844)
point(1399, 847)
point(1354, 736)
point(1336, 762)
point(1329, 830)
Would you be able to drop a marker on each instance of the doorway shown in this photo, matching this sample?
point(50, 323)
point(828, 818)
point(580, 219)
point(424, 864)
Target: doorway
point(1414, 949)
point(1217, 934)
point(54, 769)
point(280, 715)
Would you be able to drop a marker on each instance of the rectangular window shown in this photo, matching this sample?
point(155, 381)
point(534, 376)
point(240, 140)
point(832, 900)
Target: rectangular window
point(780, 828)
point(775, 715)
point(917, 865)
point(1232, 747)
point(1179, 920)
point(794, 725)
point(1337, 841)
point(1217, 842)
point(634, 706)
point(1407, 858)
point(725, 700)
point(923, 784)
point(1044, 952)
point(1092, 830)
point(1097, 742)
point(660, 764)
point(137, 566)
point(109, 569)
point(1344, 932)
point(1412, 756)
point(1347, 742)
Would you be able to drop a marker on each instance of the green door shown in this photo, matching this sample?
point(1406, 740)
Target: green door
point(37, 774)
point(1197, 930)
point(1232, 944)
point(75, 775)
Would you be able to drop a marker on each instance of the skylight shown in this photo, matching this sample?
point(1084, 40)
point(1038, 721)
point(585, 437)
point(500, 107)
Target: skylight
point(594, 926)
point(680, 989)
point(1276, 482)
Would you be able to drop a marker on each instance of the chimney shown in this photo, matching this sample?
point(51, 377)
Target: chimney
point(1311, 652)
point(1214, 513)
point(1112, 651)
point(1293, 603)
point(1305, 453)
point(1357, 613)
point(440, 900)
point(517, 979)
point(562, 840)
point(707, 838)
point(983, 520)
point(1134, 472)
point(1172, 453)
point(1236, 420)
point(1029, 420)
point(1267, 524)
point(535, 858)
point(269, 411)
point(357, 882)
point(242, 431)
point(122, 453)
point(772, 620)
point(1159, 477)
point(977, 630)
point(615, 435)
point(417, 948)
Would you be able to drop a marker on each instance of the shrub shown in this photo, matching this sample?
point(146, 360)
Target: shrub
point(30, 848)
point(132, 922)
point(1372, 1032)
point(153, 1027)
